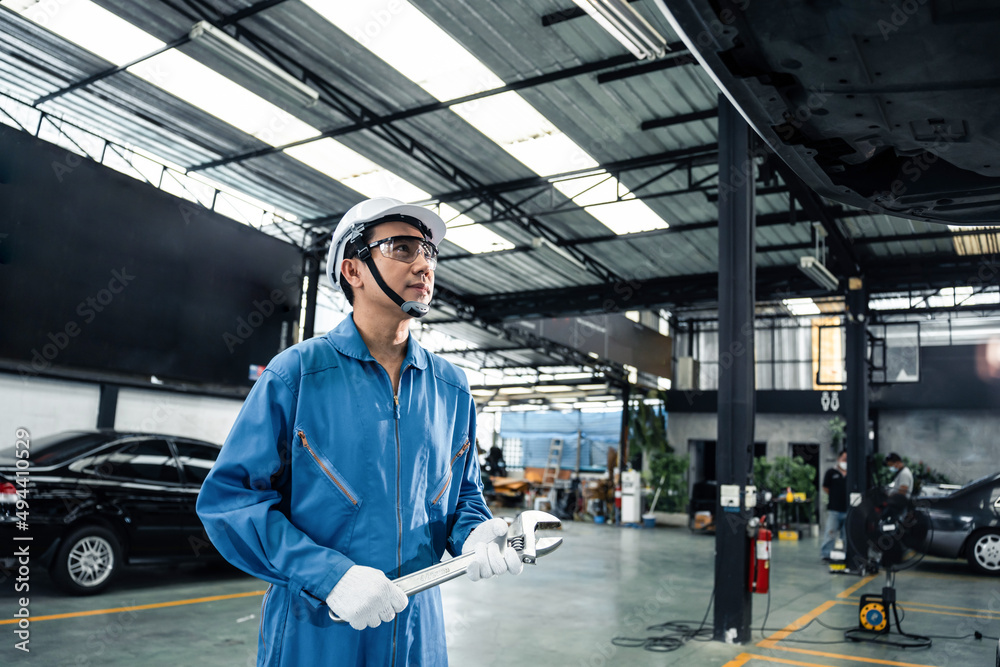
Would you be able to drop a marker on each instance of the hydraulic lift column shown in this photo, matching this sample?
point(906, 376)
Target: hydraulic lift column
point(856, 401)
point(734, 459)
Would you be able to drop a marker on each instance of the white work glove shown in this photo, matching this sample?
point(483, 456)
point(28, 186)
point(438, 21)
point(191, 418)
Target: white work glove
point(489, 562)
point(364, 597)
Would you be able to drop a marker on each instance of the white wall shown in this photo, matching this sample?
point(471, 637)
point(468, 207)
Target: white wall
point(962, 444)
point(778, 431)
point(203, 417)
point(44, 406)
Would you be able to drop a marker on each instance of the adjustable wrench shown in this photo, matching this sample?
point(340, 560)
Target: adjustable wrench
point(522, 539)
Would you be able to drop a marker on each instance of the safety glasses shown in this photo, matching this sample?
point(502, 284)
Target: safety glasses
point(406, 248)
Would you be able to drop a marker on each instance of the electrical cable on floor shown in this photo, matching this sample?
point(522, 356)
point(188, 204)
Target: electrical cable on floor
point(679, 633)
point(766, 613)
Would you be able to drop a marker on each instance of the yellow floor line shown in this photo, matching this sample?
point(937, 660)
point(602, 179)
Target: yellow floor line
point(907, 607)
point(843, 656)
point(847, 593)
point(906, 604)
point(795, 625)
point(985, 615)
point(771, 642)
point(141, 607)
point(744, 658)
point(929, 575)
point(739, 660)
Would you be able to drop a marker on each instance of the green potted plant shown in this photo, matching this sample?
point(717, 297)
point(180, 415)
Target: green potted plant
point(838, 433)
point(666, 470)
point(795, 474)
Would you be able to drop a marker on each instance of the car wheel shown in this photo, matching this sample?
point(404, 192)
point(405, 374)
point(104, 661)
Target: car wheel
point(983, 552)
point(87, 561)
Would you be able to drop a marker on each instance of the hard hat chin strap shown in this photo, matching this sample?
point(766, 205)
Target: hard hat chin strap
point(411, 308)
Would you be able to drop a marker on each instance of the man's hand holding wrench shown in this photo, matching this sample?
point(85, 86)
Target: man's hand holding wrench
point(522, 540)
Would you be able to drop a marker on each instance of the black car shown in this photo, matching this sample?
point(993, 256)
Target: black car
point(97, 500)
point(966, 524)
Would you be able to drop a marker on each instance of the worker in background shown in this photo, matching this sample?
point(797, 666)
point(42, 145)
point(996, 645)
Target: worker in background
point(902, 483)
point(835, 488)
point(351, 463)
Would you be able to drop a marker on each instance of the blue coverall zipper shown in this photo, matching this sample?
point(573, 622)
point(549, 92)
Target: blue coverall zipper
point(399, 514)
point(451, 467)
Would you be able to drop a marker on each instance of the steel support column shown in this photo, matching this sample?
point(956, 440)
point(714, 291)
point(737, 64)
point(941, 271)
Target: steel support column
point(734, 450)
point(107, 406)
point(623, 442)
point(856, 401)
point(312, 273)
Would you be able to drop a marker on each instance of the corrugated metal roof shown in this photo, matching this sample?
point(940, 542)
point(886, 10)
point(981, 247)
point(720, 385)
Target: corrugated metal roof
point(603, 118)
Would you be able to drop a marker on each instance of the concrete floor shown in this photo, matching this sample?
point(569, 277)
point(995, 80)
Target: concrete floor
point(603, 583)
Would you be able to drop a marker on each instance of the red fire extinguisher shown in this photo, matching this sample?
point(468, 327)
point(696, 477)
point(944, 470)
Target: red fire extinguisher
point(760, 561)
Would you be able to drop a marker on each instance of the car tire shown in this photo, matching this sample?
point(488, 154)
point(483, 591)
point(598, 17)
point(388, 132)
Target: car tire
point(87, 561)
point(983, 551)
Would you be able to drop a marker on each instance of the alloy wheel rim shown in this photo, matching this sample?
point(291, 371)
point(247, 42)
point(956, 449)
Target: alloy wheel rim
point(91, 561)
point(987, 552)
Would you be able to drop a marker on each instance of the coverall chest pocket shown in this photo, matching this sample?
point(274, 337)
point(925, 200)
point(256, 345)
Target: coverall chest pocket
point(343, 500)
point(439, 497)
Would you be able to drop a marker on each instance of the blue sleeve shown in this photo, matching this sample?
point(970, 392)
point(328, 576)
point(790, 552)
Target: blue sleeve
point(241, 508)
point(472, 509)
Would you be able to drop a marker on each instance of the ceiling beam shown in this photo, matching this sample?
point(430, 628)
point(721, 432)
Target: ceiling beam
point(928, 236)
point(678, 57)
point(773, 284)
point(679, 119)
point(563, 355)
point(766, 220)
point(845, 259)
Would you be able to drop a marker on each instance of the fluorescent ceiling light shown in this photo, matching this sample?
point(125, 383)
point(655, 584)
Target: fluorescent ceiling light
point(468, 234)
point(575, 376)
point(552, 388)
point(118, 41)
point(818, 273)
point(275, 81)
point(446, 70)
point(529, 137)
point(802, 307)
point(398, 33)
point(515, 390)
point(627, 26)
point(210, 91)
point(890, 303)
point(957, 293)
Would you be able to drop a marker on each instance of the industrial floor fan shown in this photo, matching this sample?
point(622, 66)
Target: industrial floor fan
point(889, 532)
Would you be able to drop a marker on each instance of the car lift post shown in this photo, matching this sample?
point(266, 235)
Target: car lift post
point(734, 458)
point(856, 404)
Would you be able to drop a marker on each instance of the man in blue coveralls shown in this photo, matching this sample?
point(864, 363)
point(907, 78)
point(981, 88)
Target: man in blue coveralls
point(351, 463)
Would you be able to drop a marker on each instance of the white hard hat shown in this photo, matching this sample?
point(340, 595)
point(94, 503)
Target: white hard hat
point(377, 210)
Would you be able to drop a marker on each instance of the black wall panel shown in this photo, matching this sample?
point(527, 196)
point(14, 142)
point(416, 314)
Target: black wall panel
point(104, 273)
